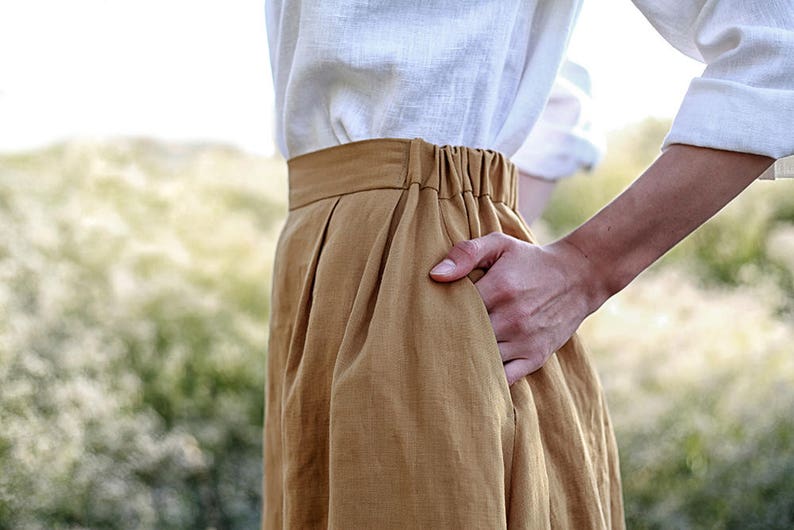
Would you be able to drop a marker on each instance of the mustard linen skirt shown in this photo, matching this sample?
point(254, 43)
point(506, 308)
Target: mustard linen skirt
point(387, 402)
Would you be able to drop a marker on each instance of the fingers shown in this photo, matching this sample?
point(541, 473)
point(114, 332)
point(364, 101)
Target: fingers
point(519, 368)
point(522, 358)
point(471, 254)
point(511, 350)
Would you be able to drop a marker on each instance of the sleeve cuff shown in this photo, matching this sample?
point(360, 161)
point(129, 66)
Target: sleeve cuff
point(723, 114)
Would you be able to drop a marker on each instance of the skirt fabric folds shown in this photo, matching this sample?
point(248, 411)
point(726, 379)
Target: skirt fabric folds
point(387, 403)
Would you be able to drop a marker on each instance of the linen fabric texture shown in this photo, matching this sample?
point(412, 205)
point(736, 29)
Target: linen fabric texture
point(387, 401)
point(478, 72)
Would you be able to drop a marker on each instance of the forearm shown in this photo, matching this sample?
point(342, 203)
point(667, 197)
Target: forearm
point(682, 189)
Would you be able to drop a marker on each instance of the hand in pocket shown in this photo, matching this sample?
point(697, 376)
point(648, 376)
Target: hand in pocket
point(536, 296)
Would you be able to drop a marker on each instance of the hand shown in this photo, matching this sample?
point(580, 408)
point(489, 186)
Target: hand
point(536, 296)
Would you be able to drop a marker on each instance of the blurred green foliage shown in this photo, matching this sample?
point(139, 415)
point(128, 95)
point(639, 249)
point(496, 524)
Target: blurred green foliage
point(700, 384)
point(133, 314)
point(134, 281)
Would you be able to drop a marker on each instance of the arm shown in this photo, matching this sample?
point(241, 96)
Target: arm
point(538, 295)
point(680, 191)
point(743, 103)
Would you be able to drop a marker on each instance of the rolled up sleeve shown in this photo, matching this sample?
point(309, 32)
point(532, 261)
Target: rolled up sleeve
point(744, 100)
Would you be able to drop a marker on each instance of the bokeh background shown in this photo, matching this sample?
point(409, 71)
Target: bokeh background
point(140, 201)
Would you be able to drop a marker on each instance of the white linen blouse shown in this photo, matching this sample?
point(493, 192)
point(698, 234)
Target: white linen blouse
point(479, 72)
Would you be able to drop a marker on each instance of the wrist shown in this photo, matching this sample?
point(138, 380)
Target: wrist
point(590, 276)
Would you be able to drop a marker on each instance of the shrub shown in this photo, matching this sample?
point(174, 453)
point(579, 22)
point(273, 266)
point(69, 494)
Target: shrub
point(132, 336)
point(700, 383)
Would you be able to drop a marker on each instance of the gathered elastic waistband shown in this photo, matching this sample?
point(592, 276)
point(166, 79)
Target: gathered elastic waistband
point(398, 163)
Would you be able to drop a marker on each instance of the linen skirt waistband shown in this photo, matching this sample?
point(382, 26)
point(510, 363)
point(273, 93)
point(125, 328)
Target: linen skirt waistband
point(398, 163)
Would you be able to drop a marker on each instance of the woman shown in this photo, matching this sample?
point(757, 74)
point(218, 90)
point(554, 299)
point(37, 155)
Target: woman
point(424, 370)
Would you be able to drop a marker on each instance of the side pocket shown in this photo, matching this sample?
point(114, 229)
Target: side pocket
point(484, 322)
point(473, 296)
point(494, 359)
point(484, 347)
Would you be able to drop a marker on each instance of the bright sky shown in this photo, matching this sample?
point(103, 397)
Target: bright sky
point(198, 69)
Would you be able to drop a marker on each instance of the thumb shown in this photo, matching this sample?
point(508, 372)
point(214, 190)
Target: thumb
point(470, 254)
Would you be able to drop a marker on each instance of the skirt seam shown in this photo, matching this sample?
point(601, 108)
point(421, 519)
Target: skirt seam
point(493, 200)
